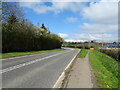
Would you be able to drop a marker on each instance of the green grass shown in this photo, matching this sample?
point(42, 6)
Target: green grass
point(83, 53)
point(11, 54)
point(106, 69)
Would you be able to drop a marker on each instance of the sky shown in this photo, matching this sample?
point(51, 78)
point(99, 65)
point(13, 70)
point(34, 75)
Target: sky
point(76, 21)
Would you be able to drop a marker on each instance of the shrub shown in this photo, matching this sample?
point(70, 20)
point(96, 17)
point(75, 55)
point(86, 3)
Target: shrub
point(114, 53)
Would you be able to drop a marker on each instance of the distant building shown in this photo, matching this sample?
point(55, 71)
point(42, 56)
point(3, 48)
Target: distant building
point(42, 28)
point(111, 46)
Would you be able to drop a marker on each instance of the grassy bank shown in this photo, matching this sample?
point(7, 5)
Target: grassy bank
point(5, 55)
point(106, 69)
point(83, 53)
point(114, 53)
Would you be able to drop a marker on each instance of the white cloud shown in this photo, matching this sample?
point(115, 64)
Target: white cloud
point(58, 0)
point(45, 0)
point(72, 6)
point(106, 37)
point(35, 6)
point(104, 15)
point(88, 37)
point(102, 12)
point(110, 0)
point(81, 36)
point(70, 0)
point(71, 19)
point(30, 0)
point(22, 0)
point(98, 28)
point(72, 40)
point(63, 35)
point(94, 32)
point(55, 7)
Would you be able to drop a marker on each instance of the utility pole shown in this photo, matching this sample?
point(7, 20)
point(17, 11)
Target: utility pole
point(102, 40)
point(99, 39)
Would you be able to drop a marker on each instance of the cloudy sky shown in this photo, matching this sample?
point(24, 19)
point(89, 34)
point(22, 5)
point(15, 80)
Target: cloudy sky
point(76, 21)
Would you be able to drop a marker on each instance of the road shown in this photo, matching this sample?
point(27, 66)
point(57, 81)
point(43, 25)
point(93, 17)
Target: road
point(35, 71)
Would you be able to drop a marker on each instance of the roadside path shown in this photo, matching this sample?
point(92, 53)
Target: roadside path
point(81, 75)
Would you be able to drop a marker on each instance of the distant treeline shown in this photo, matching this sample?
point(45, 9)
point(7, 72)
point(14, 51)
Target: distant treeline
point(112, 52)
point(19, 34)
point(81, 45)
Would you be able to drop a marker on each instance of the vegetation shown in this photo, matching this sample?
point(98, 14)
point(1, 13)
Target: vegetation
point(81, 45)
point(106, 69)
point(11, 54)
point(83, 53)
point(19, 34)
point(114, 53)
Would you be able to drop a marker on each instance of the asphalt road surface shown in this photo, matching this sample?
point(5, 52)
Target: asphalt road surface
point(35, 71)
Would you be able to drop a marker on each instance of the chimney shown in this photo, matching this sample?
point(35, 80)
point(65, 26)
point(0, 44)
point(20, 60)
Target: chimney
point(42, 25)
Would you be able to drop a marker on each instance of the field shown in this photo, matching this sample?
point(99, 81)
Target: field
point(83, 53)
point(5, 55)
point(106, 69)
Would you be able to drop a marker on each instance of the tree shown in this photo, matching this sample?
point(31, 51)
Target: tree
point(114, 43)
point(9, 9)
point(19, 34)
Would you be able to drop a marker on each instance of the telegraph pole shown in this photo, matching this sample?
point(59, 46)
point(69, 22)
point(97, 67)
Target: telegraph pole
point(102, 40)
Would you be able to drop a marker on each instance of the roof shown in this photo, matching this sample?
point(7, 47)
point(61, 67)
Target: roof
point(112, 46)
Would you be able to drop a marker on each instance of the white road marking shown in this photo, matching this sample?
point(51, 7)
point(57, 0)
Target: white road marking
point(62, 76)
point(28, 63)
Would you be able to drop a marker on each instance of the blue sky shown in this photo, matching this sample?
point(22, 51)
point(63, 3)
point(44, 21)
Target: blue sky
point(75, 21)
point(56, 22)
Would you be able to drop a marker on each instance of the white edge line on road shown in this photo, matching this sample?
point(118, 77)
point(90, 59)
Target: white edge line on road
point(28, 63)
point(61, 77)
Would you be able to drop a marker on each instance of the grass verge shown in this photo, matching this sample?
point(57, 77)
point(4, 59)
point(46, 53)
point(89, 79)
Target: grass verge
point(106, 69)
point(83, 53)
point(13, 54)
